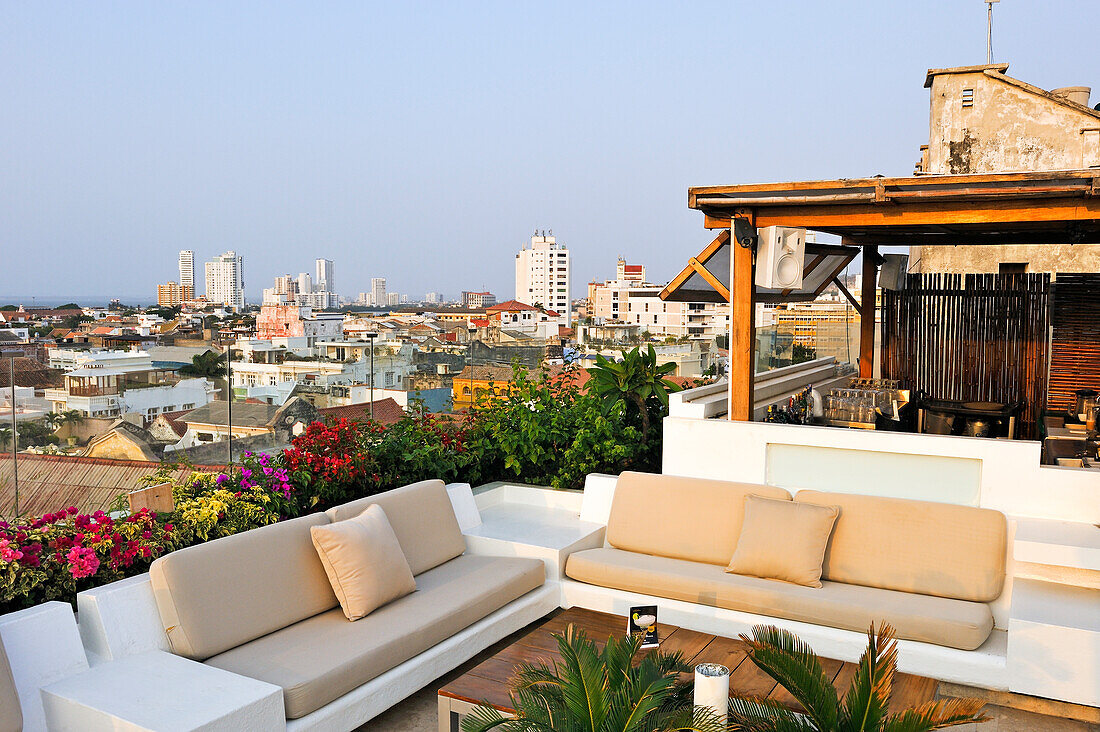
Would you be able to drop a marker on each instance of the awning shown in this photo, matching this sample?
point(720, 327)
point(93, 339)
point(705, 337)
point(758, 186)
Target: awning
point(707, 276)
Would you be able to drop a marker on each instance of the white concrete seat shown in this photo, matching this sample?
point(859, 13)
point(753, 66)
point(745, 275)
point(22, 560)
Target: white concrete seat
point(322, 658)
point(943, 621)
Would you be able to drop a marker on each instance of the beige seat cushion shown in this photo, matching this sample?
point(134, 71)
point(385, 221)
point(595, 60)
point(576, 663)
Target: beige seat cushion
point(218, 595)
point(363, 562)
point(423, 519)
point(685, 518)
point(938, 620)
point(323, 658)
point(915, 546)
point(783, 540)
point(11, 715)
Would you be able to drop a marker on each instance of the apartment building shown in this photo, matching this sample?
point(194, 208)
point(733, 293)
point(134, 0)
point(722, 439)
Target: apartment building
point(478, 299)
point(542, 274)
point(696, 320)
point(187, 271)
point(172, 294)
point(225, 280)
point(101, 383)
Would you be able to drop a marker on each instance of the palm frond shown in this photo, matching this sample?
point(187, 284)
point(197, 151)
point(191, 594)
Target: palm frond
point(755, 714)
point(937, 715)
point(584, 684)
point(867, 700)
point(794, 665)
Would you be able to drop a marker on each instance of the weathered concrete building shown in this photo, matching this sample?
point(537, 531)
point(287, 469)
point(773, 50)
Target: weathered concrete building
point(982, 121)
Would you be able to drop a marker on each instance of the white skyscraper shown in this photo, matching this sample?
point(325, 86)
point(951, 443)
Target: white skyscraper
point(324, 277)
point(187, 270)
point(305, 283)
point(542, 275)
point(378, 292)
point(225, 280)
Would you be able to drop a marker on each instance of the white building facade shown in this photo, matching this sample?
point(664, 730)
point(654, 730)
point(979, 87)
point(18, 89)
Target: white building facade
point(378, 291)
point(225, 280)
point(542, 275)
point(187, 270)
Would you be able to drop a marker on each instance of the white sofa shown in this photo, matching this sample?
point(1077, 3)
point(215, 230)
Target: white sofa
point(933, 570)
point(258, 606)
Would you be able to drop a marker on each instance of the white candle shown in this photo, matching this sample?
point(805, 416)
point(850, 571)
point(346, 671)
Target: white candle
point(712, 688)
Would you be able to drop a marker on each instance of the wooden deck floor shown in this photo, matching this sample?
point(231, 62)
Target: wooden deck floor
point(489, 680)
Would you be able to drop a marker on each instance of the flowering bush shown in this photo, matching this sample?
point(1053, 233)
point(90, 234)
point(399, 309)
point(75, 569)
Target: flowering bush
point(543, 431)
point(54, 556)
point(331, 464)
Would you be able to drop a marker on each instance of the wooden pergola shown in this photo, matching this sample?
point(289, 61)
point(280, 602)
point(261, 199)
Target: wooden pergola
point(1054, 207)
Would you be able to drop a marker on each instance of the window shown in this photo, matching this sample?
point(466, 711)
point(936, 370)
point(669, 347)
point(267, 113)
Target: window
point(1012, 268)
point(968, 97)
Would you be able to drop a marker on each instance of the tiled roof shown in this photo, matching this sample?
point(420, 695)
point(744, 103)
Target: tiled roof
point(486, 373)
point(245, 414)
point(30, 372)
point(509, 306)
point(51, 482)
point(386, 411)
point(175, 421)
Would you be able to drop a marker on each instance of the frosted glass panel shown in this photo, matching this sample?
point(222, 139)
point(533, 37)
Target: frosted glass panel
point(897, 475)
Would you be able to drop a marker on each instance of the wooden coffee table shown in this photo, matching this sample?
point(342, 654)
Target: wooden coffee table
point(488, 682)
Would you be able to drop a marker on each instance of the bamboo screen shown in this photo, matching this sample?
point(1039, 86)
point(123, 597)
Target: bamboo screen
point(975, 337)
point(1075, 338)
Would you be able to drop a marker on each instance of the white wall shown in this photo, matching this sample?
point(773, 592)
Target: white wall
point(1000, 474)
point(197, 392)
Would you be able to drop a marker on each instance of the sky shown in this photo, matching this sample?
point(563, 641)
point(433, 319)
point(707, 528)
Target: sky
point(425, 142)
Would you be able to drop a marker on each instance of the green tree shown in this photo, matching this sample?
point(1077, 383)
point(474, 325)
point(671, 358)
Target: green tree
point(865, 706)
point(594, 690)
point(801, 353)
point(207, 364)
point(636, 385)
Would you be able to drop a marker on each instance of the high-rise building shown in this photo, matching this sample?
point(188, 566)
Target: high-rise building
point(542, 274)
point(225, 280)
point(393, 298)
point(171, 294)
point(378, 292)
point(187, 270)
point(433, 298)
point(305, 283)
point(324, 277)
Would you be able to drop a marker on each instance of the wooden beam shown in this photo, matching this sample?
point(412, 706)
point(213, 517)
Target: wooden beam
point(844, 291)
point(710, 278)
point(867, 314)
point(742, 333)
point(941, 213)
point(703, 257)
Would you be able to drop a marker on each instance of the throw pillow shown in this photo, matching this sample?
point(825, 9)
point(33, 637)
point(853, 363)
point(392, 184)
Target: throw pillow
point(364, 562)
point(783, 540)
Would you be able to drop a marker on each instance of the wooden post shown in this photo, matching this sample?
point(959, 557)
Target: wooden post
point(742, 332)
point(867, 313)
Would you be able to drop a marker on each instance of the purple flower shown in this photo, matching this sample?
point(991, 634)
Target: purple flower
point(221, 478)
point(245, 473)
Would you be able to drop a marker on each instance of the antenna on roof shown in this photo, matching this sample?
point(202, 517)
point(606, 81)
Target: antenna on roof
point(989, 31)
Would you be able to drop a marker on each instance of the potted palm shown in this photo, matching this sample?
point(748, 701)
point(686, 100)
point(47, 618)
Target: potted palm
point(599, 690)
point(611, 690)
point(863, 708)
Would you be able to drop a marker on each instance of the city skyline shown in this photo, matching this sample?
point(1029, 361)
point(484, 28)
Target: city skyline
point(128, 146)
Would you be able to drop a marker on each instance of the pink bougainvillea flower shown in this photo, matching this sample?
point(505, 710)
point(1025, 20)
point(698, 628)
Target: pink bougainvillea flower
point(9, 552)
point(82, 562)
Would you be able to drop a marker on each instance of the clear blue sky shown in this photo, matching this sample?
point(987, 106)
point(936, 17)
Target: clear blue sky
point(424, 142)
